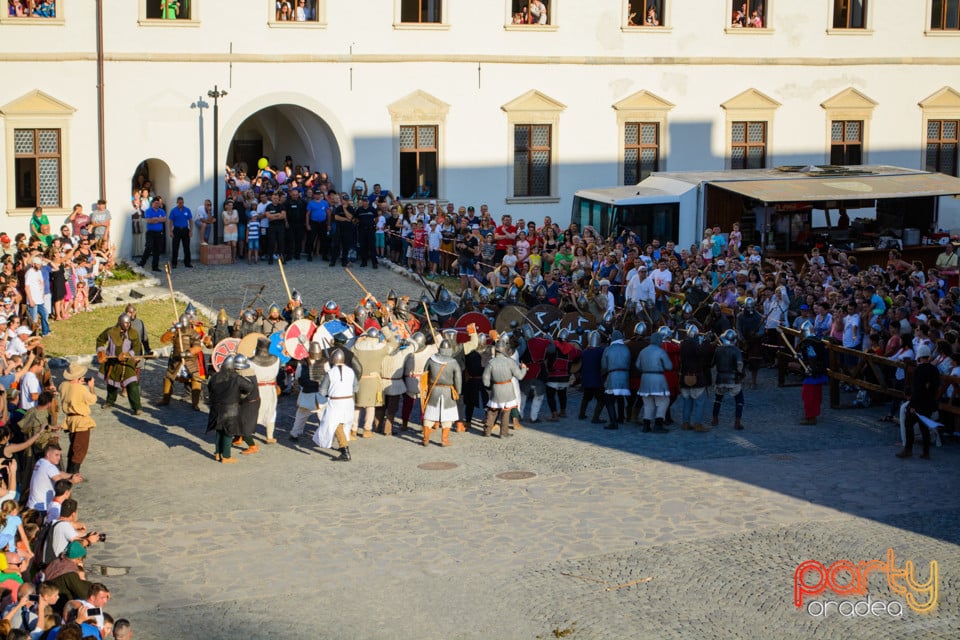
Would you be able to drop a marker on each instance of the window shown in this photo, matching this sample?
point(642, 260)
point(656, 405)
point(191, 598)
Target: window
point(531, 160)
point(945, 15)
point(749, 14)
point(41, 9)
point(849, 14)
point(419, 11)
point(942, 146)
point(645, 13)
point(418, 162)
point(641, 150)
point(530, 12)
point(37, 167)
point(846, 142)
point(304, 12)
point(748, 145)
point(168, 9)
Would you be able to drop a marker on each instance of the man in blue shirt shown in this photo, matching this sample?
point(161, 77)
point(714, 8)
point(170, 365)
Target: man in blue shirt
point(317, 210)
point(156, 221)
point(181, 230)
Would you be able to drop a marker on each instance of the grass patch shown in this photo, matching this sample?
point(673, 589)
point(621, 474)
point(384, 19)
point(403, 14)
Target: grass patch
point(452, 283)
point(121, 274)
point(78, 334)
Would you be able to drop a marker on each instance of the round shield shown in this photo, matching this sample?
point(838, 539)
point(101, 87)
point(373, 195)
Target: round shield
point(575, 321)
point(296, 339)
point(545, 317)
point(277, 348)
point(248, 344)
point(483, 324)
point(224, 348)
point(514, 313)
point(326, 332)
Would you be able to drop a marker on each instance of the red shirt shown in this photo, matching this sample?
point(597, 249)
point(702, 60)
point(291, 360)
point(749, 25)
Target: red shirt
point(503, 243)
point(419, 238)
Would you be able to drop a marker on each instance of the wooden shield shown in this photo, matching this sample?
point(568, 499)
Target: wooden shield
point(297, 338)
point(545, 317)
point(508, 315)
point(248, 344)
point(277, 347)
point(472, 317)
point(575, 322)
point(224, 348)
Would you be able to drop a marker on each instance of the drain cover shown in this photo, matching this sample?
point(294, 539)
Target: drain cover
point(437, 466)
point(516, 475)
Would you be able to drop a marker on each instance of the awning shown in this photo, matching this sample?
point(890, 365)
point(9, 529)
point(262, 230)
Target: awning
point(861, 187)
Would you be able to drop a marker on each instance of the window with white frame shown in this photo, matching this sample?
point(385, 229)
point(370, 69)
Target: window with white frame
point(421, 11)
point(530, 12)
point(40, 9)
point(945, 15)
point(849, 14)
point(37, 167)
point(306, 12)
point(168, 9)
point(749, 14)
point(646, 13)
point(942, 146)
point(533, 122)
point(419, 149)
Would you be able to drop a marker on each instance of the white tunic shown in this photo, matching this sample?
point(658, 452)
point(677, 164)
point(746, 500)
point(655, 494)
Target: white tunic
point(339, 406)
point(267, 380)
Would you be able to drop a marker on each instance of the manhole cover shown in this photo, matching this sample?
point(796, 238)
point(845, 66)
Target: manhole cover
point(437, 466)
point(516, 475)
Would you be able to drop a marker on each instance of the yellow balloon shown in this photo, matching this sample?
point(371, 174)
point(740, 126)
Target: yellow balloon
point(262, 163)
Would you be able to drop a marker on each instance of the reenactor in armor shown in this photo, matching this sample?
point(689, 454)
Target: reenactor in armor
point(750, 329)
point(246, 324)
point(717, 321)
point(339, 387)
point(228, 389)
point(331, 311)
point(265, 366)
point(310, 373)
point(615, 366)
point(694, 360)
point(186, 363)
point(474, 394)
point(221, 330)
point(422, 353)
point(364, 319)
point(137, 326)
point(532, 350)
point(394, 369)
point(117, 350)
point(591, 377)
point(653, 363)
point(498, 377)
point(444, 380)
point(814, 357)
point(637, 343)
point(558, 373)
point(728, 361)
point(273, 322)
point(294, 309)
point(369, 350)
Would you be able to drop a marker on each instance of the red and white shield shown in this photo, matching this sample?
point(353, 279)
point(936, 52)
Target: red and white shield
point(297, 338)
point(224, 348)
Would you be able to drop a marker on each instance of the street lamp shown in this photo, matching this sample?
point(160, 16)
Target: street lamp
point(216, 94)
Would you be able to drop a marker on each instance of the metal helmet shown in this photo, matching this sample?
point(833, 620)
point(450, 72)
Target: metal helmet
point(222, 316)
point(337, 357)
point(616, 335)
point(687, 308)
point(370, 305)
point(541, 292)
point(184, 320)
point(130, 310)
point(594, 340)
point(273, 309)
point(176, 326)
point(419, 341)
point(449, 334)
point(228, 363)
point(249, 315)
point(563, 335)
point(750, 304)
point(692, 330)
point(392, 296)
point(582, 300)
point(374, 333)
point(483, 339)
point(608, 316)
point(527, 331)
point(484, 294)
point(503, 344)
point(443, 295)
point(191, 311)
point(296, 314)
point(315, 350)
point(296, 297)
point(331, 308)
point(240, 362)
point(806, 329)
point(403, 307)
point(640, 329)
point(512, 293)
point(665, 333)
point(446, 347)
point(361, 314)
point(715, 308)
point(466, 296)
point(728, 338)
point(123, 321)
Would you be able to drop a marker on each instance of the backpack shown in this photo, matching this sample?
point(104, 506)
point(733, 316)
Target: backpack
point(43, 546)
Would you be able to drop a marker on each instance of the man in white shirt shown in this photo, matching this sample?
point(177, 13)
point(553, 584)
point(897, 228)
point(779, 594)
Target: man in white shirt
point(33, 287)
point(45, 473)
point(30, 387)
point(16, 343)
point(640, 288)
point(662, 279)
point(67, 529)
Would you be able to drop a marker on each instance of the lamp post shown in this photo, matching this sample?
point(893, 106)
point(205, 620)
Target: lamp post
point(216, 94)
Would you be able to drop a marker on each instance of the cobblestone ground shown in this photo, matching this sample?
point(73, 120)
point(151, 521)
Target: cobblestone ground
point(285, 544)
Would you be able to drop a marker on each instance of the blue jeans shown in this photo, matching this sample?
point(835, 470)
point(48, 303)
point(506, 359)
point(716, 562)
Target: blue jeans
point(44, 324)
point(693, 405)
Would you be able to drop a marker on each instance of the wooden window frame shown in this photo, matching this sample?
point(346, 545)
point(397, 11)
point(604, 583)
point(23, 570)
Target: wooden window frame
point(37, 155)
point(841, 6)
point(145, 21)
point(531, 149)
point(551, 17)
point(944, 8)
point(442, 25)
point(746, 145)
point(418, 150)
point(940, 141)
point(752, 5)
point(34, 21)
point(320, 22)
point(640, 146)
point(845, 143)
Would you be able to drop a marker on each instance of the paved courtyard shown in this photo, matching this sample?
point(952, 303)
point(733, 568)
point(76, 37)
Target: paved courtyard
point(616, 534)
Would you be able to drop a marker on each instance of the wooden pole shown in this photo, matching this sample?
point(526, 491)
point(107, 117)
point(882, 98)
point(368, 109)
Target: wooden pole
point(283, 275)
point(362, 288)
point(429, 322)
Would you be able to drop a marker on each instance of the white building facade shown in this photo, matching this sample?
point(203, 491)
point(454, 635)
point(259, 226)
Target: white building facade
point(451, 99)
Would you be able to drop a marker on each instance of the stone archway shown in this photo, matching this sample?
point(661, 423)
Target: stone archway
point(282, 130)
point(156, 174)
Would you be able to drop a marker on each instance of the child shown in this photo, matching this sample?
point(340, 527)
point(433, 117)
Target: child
point(10, 525)
point(380, 238)
point(419, 246)
point(434, 239)
point(536, 260)
point(755, 257)
point(734, 241)
point(253, 238)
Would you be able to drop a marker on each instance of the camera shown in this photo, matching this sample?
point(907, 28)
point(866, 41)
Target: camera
point(102, 537)
point(34, 597)
point(94, 612)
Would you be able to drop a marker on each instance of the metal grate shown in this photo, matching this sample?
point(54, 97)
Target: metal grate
point(933, 129)
point(948, 159)
point(755, 132)
point(49, 140)
point(427, 137)
point(630, 166)
point(853, 130)
point(49, 180)
point(521, 138)
point(950, 129)
point(631, 132)
point(738, 131)
point(649, 135)
point(521, 168)
point(541, 136)
point(836, 131)
point(408, 137)
point(23, 141)
point(540, 182)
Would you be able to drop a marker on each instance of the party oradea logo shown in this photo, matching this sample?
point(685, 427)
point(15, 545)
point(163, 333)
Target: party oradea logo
point(814, 583)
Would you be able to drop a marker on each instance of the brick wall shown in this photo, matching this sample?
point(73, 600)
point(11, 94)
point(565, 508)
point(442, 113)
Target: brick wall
point(214, 254)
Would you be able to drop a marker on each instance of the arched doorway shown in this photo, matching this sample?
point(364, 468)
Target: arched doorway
point(153, 175)
point(286, 130)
